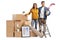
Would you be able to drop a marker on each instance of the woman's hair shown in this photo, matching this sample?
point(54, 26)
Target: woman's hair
point(34, 5)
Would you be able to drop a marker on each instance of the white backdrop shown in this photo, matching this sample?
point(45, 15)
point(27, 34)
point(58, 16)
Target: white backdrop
point(9, 7)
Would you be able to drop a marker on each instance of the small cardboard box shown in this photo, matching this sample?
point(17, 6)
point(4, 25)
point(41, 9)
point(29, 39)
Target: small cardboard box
point(9, 28)
point(19, 17)
point(25, 31)
point(18, 34)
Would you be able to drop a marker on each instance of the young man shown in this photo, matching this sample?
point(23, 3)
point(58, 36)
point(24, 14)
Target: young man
point(43, 13)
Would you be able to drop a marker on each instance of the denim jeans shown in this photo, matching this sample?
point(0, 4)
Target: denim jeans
point(34, 21)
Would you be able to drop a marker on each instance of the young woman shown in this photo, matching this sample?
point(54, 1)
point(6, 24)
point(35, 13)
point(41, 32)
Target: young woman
point(34, 12)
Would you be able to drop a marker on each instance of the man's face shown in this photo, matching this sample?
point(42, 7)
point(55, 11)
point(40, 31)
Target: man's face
point(43, 4)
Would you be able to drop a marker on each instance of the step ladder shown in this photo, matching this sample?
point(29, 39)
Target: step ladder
point(47, 32)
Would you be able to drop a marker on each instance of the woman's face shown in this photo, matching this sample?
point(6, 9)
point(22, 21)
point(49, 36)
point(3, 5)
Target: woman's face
point(35, 5)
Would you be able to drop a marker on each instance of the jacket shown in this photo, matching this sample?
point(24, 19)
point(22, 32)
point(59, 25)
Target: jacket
point(45, 9)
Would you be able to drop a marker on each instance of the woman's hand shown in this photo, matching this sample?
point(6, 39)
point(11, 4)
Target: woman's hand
point(25, 14)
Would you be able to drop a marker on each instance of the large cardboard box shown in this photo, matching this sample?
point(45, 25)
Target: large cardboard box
point(18, 34)
point(9, 28)
point(9, 34)
point(19, 17)
point(27, 22)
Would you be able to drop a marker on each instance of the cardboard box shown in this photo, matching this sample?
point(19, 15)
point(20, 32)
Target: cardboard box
point(9, 34)
point(25, 31)
point(9, 28)
point(27, 22)
point(32, 34)
point(19, 17)
point(18, 34)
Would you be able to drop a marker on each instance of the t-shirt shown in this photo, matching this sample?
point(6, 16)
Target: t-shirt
point(34, 13)
point(42, 13)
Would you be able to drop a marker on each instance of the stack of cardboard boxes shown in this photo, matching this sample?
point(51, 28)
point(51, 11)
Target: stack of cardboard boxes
point(14, 27)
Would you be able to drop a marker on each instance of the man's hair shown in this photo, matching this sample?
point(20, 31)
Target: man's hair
point(42, 2)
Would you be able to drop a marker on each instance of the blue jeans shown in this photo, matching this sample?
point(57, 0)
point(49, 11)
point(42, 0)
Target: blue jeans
point(34, 21)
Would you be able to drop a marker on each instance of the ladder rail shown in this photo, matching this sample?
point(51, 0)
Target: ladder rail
point(48, 30)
